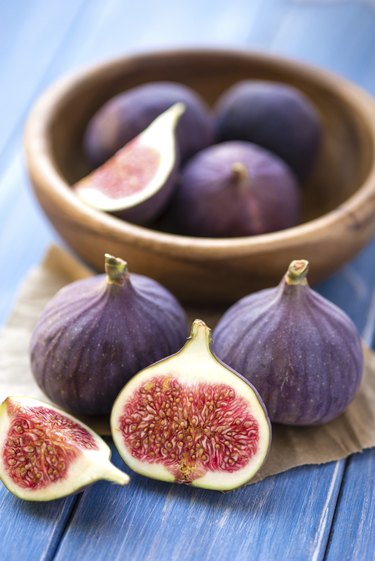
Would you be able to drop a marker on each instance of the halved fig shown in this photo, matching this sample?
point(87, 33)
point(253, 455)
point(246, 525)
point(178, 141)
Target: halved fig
point(137, 182)
point(191, 419)
point(46, 454)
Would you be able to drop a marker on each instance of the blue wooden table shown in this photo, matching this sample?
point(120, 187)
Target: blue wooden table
point(311, 513)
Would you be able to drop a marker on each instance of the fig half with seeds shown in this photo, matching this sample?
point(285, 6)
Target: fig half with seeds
point(96, 333)
point(46, 454)
point(191, 419)
point(234, 189)
point(137, 182)
point(301, 352)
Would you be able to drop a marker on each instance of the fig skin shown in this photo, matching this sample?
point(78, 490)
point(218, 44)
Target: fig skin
point(127, 114)
point(234, 189)
point(96, 333)
point(301, 352)
point(273, 115)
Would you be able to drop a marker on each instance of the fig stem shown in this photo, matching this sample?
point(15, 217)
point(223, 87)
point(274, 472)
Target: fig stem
point(297, 271)
point(200, 335)
point(116, 269)
point(240, 174)
point(112, 473)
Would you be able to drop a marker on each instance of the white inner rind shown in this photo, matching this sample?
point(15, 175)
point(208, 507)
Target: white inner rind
point(192, 365)
point(88, 467)
point(159, 135)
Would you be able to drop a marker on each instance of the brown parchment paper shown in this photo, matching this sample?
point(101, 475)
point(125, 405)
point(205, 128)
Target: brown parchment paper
point(352, 432)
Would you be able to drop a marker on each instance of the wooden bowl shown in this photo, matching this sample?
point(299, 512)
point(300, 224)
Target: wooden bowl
point(339, 198)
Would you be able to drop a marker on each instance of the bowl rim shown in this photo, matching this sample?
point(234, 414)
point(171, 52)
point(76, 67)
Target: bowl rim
point(40, 161)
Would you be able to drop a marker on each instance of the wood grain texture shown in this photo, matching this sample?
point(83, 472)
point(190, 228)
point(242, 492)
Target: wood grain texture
point(153, 521)
point(112, 28)
point(338, 201)
point(352, 536)
point(31, 531)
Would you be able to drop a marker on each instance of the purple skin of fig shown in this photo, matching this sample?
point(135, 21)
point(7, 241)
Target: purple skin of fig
point(96, 333)
point(301, 352)
point(146, 212)
point(234, 189)
point(126, 115)
point(273, 115)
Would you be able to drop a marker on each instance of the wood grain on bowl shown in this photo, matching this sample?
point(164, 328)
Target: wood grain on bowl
point(338, 199)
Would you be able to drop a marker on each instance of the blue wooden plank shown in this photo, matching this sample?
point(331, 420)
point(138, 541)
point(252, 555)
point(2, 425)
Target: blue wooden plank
point(352, 289)
point(31, 530)
point(152, 521)
point(352, 537)
point(338, 36)
point(31, 34)
point(120, 27)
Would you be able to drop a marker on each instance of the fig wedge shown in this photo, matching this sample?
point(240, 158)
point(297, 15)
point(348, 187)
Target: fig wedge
point(137, 182)
point(46, 454)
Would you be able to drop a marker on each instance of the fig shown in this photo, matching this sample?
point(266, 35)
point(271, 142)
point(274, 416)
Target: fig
point(191, 419)
point(137, 182)
point(276, 116)
point(234, 189)
point(124, 116)
point(96, 333)
point(301, 352)
point(47, 454)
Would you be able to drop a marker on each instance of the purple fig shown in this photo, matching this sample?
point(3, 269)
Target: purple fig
point(45, 453)
point(302, 353)
point(96, 333)
point(191, 419)
point(126, 115)
point(274, 115)
point(234, 189)
point(138, 181)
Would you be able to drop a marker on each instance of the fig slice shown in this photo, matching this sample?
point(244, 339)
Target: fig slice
point(46, 454)
point(137, 182)
point(191, 419)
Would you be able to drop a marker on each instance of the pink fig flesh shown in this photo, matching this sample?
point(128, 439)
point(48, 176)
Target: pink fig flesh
point(190, 419)
point(41, 444)
point(46, 453)
point(211, 428)
point(128, 172)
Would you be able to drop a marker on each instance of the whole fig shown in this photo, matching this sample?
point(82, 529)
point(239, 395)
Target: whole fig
point(302, 353)
point(127, 114)
point(96, 333)
point(276, 116)
point(234, 189)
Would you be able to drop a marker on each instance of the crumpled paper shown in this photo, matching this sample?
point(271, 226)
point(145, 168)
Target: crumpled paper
point(352, 432)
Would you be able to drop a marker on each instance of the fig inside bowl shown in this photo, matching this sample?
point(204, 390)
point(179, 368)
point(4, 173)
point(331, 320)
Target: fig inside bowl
point(338, 206)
